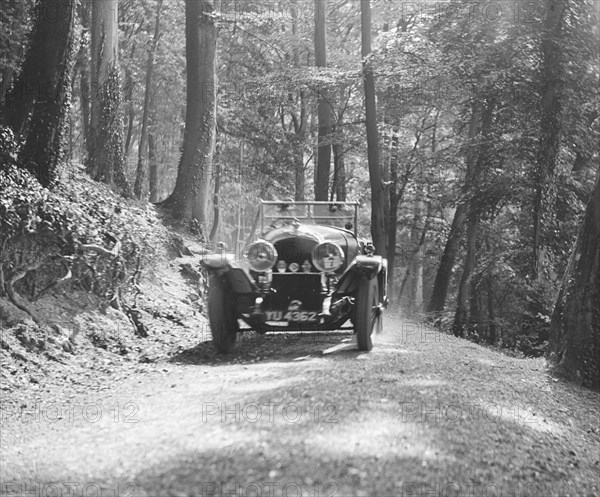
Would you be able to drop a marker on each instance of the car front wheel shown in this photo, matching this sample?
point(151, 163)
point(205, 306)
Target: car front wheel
point(368, 313)
point(221, 315)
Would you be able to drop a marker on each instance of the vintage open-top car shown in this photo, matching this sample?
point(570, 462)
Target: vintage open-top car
point(306, 271)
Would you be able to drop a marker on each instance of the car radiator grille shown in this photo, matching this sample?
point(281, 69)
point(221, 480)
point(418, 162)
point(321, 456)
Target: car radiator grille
point(295, 255)
point(303, 287)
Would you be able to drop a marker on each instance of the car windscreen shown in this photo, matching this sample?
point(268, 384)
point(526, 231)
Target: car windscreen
point(333, 214)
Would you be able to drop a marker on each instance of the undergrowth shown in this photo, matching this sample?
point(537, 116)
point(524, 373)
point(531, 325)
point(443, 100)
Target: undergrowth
point(79, 235)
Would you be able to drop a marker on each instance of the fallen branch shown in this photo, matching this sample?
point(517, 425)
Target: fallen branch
point(15, 297)
point(101, 250)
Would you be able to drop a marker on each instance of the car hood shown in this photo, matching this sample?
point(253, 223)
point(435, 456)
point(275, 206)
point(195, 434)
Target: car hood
point(311, 235)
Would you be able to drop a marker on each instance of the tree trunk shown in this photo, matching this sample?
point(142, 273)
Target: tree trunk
point(130, 108)
point(377, 221)
point(492, 329)
point(84, 86)
point(190, 197)
point(550, 125)
point(437, 301)
point(152, 158)
point(52, 55)
point(396, 192)
point(480, 124)
point(106, 160)
point(216, 213)
point(300, 124)
point(324, 108)
point(142, 166)
point(339, 171)
point(299, 170)
point(461, 315)
point(415, 267)
point(575, 326)
point(339, 164)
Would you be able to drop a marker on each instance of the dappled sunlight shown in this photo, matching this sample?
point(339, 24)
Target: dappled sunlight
point(376, 435)
point(380, 349)
point(422, 382)
point(526, 416)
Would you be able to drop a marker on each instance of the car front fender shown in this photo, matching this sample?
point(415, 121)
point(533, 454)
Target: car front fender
point(362, 267)
point(225, 265)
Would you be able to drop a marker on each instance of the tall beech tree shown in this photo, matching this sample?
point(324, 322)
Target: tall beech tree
point(190, 197)
point(574, 344)
point(142, 166)
point(550, 130)
point(375, 177)
point(477, 156)
point(324, 107)
point(46, 83)
point(105, 155)
point(300, 121)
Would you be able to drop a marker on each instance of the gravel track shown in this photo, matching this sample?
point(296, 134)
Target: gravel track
point(423, 414)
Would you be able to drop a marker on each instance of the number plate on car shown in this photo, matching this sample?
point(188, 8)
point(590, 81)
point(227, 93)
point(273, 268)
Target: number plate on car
point(296, 316)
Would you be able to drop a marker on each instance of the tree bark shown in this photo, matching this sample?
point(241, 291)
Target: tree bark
point(216, 212)
point(339, 170)
point(437, 302)
point(377, 221)
point(50, 62)
point(324, 108)
point(492, 329)
point(300, 123)
point(130, 108)
point(339, 163)
point(481, 122)
point(414, 289)
point(574, 344)
point(153, 161)
point(142, 166)
point(106, 159)
point(191, 195)
point(461, 315)
point(550, 131)
point(396, 192)
point(463, 211)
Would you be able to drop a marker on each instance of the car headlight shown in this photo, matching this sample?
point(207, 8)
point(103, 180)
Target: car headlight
point(261, 255)
point(328, 257)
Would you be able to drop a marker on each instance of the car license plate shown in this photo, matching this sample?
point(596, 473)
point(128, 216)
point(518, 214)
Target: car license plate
point(296, 316)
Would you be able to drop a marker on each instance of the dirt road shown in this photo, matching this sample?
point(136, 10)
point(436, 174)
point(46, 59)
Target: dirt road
point(423, 414)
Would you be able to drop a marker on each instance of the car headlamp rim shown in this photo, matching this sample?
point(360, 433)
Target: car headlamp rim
point(261, 264)
point(338, 257)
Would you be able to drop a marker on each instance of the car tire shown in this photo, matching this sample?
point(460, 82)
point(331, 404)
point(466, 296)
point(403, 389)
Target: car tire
point(224, 325)
point(367, 315)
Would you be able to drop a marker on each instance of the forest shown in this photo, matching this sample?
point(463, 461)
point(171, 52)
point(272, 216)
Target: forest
point(468, 131)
